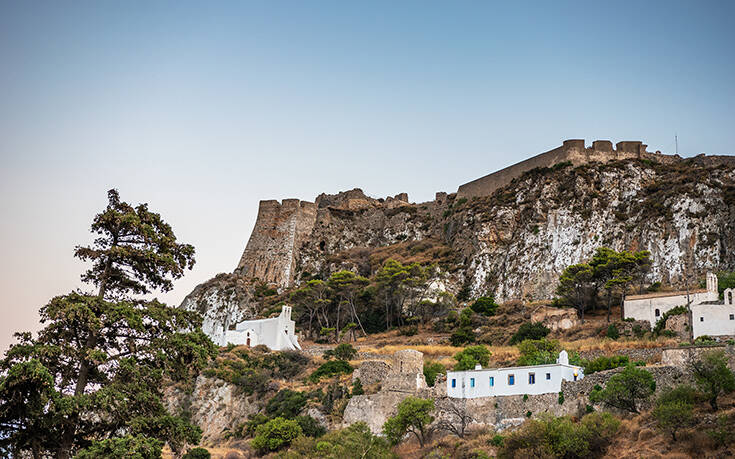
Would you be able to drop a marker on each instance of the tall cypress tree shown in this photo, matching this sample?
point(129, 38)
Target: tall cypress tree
point(92, 378)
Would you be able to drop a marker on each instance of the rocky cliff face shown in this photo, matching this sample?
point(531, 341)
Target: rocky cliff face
point(513, 243)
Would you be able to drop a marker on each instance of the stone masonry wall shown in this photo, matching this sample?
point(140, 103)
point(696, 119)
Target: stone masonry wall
point(573, 151)
point(279, 231)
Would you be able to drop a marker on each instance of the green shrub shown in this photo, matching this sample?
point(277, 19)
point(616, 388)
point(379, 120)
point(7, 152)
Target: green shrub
point(431, 370)
point(331, 368)
point(471, 356)
point(285, 364)
point(528, 414)
point(197, 453)
point(604, 363)
point(310, 426)
point(496, 440)
point(626, 390)
point(409, 330)
point(560, 400)
point(673, 416)
point(413, 416)
point(612, 332)
point(529, 330)
point(462, 336)
point(343, 351)
point(485, 305)
point(353, 442)
point(561, 437)
point(286, 404)
point(252, 424)
point(275, 434)
point(357, 388)
point(704, 340)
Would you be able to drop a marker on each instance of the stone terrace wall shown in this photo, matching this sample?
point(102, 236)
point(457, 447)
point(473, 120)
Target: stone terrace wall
point(571, 150)
point(681, 356)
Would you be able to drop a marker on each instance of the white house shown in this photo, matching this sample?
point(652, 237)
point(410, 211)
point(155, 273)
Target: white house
point(715, 319)
point(652, 306)
point(531, 380)
point(278, 333)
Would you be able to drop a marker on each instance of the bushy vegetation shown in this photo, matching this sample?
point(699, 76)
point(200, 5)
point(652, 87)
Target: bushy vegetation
point(347, 303)
point(485, 305)
point(331, 368)
point(275, 434)
point(675, 409)
point(431, 370)
point(463, 334)
point(471, 356)
point(286, 404)
point(712, 376)
point(587, 285)
point(626, 390)
point(343, 351)
point(414, 417)
point(542, 352)
point(197, 453)
point(251, 369)
point(604, 363)
point(560, 437)
point(353, 442)
point(529, 330)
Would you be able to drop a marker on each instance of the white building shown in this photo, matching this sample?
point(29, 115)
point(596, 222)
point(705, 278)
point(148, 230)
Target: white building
point(278, 333)
point(714, 319)
point(531, 380)
point(652, 306)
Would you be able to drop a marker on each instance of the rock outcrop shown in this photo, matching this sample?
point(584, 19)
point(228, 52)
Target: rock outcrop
point(512, 241)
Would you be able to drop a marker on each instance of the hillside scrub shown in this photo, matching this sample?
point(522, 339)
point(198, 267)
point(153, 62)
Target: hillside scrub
point(626, 390)
point(561, 437)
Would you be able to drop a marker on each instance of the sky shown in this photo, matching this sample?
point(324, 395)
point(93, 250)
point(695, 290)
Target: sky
point(201, 109)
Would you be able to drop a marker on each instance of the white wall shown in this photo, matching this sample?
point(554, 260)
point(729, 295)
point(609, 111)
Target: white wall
point(463, 387)
point(713, 320)
point(278, 333)
point(645, 308)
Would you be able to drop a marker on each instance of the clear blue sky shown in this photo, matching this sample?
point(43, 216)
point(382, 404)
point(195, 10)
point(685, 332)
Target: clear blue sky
point(204, 108)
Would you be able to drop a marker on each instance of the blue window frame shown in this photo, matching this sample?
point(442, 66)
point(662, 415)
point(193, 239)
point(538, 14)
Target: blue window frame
point(532, 378)
point(472, 382)
point(454, 382)
point(511, 380)
point(548, 376)
point(492, 381)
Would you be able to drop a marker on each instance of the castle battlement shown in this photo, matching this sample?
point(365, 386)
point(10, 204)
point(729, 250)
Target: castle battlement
point(572, 150)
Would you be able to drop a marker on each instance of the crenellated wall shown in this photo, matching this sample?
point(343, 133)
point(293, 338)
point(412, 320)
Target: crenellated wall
point(573, 151)
point(279, 230)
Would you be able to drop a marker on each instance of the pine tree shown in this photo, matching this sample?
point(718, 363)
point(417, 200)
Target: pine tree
point(97, 367)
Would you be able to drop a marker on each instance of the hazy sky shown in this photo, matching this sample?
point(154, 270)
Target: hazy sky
point(203, 108)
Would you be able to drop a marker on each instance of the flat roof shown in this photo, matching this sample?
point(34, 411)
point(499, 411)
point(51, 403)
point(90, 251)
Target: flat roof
point(664, 294)
point(546, 365)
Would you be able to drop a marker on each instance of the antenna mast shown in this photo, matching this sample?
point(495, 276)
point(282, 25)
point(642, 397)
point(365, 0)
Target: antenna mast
point(676, 140)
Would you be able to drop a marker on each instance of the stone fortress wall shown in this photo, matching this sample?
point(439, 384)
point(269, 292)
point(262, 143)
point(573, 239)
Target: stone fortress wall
point(573, 151)
point(281, 228)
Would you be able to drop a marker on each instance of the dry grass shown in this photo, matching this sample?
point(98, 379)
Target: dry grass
point(609, 345)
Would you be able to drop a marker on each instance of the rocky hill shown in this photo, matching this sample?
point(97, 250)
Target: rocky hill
point(511, 243)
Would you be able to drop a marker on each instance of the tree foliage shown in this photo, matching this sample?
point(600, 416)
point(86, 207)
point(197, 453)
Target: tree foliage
point(626, 390)
point(96, 368)
point(529, 330)
point(712, 376)
point(431, 370)
point(414, 416)
point(471, 356)
point(275, 434)
point(561, 437)
point(607, 271)
point(353, 442)
point(674, 409)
